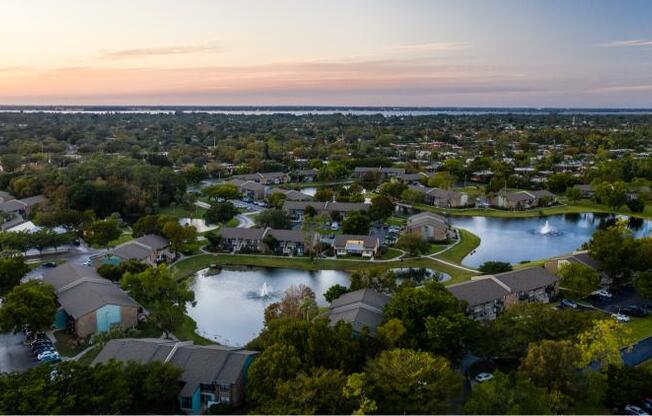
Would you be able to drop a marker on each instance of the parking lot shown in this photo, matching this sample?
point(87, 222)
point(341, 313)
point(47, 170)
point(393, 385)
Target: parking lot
point(14, 355)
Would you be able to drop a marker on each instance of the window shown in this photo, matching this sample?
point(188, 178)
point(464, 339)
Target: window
point(186, 402)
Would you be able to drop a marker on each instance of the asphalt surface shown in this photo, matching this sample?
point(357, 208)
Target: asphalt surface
point(14, 355)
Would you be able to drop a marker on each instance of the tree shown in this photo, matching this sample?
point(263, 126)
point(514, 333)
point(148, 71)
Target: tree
point(493, 267)
point(393, 189)
point(643, 284)
point(391, 333)
point(615, 250)
point(433, 319)
point(573, 194)
point(601, 343)
point(508, 396)
point(636, 205)
point(553, 365)
point(12, 269)
point(443, 180)
point(413, 243)
point(335, 292)
point(33, 303)
point(154, 386)
point(277, 363)
point(404, 381)
point(357, 222)
point(151, 224)
point(380, 280)
point(614, 195)
point(381, 207)
point(220, 212)
point(277, 199)
point(224, 191)
point(627, 385)
point(180, 236)
point(559, 182)
point(355, 390)
point(320, 391)
point(578, 278)
point(159, 290)
point(102, 232)
point(412, 196)
point(298, 302)
point(274, 218)
point(324, 195)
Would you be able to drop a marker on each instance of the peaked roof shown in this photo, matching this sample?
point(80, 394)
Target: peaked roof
point(361, 308)
point(207, 364)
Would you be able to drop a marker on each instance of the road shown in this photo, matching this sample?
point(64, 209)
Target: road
point(14, 356)
point(245, 220)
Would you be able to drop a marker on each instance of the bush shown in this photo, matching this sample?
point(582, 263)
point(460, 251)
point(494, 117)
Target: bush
point(492, 267)
point(636, 205)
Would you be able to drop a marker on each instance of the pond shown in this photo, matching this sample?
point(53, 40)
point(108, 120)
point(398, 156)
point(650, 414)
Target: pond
point(519, 239)
point(230, 304)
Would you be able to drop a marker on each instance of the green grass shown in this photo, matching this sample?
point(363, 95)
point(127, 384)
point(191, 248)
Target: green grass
point(396, 221)
point(436, 248)
point(191, 265)
point(87, 359)
point(233, 222)
point(468, 242)
point(574, 207)
point(640, 328)
point(530, 264)
point(124, 237)
point(66, 346)
point(182, 212)
point(391, 253)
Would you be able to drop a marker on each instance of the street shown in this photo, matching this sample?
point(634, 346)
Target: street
point(14, 356)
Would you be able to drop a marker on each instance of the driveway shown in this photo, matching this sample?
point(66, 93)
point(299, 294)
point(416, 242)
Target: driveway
point(14, 356)
point(245, 220)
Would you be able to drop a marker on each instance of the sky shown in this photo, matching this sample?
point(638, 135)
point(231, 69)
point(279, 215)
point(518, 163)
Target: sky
point(516, 53)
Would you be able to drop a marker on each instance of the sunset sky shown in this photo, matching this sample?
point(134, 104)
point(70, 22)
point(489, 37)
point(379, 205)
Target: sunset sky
point(557, 53)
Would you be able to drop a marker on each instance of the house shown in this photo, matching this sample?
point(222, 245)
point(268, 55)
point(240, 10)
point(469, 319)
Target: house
point(382, 173)
point(361, 308)
point(241, 239)
point(364, 245)
point(411, 178)
point(88, 302)
point(488, 296)
point(586, 191)
point(150, 248)
point(306, 175)
point(524, 200)
point(553, 265)
point(249, 189)
point(212, 374)
point(290, 194)
point(23, 206)
point(296, 209)
point(431, 227)
point(293, 242)
point(266, 178)
point(443, 198)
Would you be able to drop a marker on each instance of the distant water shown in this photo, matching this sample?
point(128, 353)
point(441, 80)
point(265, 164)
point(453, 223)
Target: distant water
point(299, 111)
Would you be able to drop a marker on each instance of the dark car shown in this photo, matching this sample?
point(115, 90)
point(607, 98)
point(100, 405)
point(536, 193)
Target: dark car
point(634, 310)
point(566, 303)
point(50, 264)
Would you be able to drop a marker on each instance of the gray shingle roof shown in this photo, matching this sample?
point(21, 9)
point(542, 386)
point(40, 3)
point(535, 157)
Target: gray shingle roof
point(242, 233)
point(369, 242)
point(131, 250)
point(527, 279)
point(68, 273)
point(155, 242)
point(87, 296)
point(210, 364)
point(289, 235)
point(479, 291)
point(361, 308)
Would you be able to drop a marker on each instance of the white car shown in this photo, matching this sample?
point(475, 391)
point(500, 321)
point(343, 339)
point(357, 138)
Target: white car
point(48, 354)
point(603, 293)
point(630, 409)
point(482, 377)
point(620, 317)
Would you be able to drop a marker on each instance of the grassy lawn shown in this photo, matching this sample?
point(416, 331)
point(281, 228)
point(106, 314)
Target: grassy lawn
point(398, 221)
point(88, 358)
point(641, 328)
point(436, 248)
point(529, 264)
point(190, 265)
point(182, 212)
point(66, 344)
point(124, 237)
point(390, 254)
point(468, 243)
point(233, 222)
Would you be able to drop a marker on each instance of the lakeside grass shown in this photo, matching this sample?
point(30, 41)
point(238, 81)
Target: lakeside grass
point(190, 265)
point(576, 207)
point(468, 243)
point(640, 328)
point(391, 253)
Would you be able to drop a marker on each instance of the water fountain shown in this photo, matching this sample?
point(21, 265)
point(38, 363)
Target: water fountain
point(546, 230)
point(264, 290)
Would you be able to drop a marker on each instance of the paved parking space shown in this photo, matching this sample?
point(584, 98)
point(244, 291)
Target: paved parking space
point(14, 355)
point(620, 300)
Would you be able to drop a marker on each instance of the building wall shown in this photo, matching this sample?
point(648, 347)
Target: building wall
point(129, 316)
point(107, 316)
point(86, 325)
point(60, 319)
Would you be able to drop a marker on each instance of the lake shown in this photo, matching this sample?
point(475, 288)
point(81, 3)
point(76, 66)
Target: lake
point(230, 304)
point(518, 239)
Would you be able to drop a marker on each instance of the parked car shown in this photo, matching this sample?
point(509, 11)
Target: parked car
point(47, 355)
point(630, 409)
point(88, 262)
point(634, 310)
point(603, 293)
point(335, 226)
point(620, 317)
point(647, 403)
point(51, 359)
point(567, 303)
point(482, 377)
point(50, 264)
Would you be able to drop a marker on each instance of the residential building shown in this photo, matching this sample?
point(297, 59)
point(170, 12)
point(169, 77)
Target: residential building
point(553, 265)
point(586, 191)
point(296, 209)
point(383, 173)
point(430, 226)
point(363, 245)
point(290, 194)
point(522, 200)
point(88, 302)
point(305, 175)
point(23, 206)
point(150, 248)
point(293, 242)
point(488, 296)
point(361, 308)
point(212, 374)
point(241, 239)
point(266, 178)
point(443, 198)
